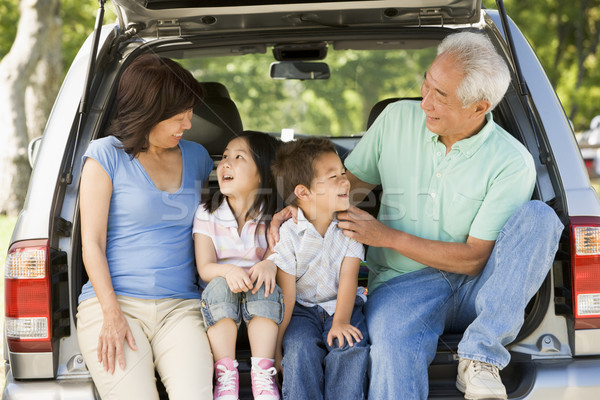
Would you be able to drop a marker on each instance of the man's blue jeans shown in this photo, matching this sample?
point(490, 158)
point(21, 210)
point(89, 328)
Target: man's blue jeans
point(312, 369)
point(407, 314)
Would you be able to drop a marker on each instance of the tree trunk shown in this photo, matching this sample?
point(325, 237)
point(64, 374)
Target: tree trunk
point(16, 69)
point(45, 81)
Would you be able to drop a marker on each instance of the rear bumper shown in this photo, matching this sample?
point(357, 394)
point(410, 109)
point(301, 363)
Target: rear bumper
point(552, 380)
point(566, 379)
point(51, 389)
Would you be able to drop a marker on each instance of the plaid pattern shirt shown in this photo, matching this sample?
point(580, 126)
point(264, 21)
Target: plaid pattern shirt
point(314, 260)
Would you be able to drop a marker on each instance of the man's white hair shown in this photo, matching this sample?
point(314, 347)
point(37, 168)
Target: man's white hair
point(486, 75)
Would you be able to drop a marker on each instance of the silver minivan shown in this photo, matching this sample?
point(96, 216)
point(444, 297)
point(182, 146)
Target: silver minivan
point(293, 69)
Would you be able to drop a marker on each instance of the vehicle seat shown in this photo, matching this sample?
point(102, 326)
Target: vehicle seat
point(382, 104)
point(216, 119)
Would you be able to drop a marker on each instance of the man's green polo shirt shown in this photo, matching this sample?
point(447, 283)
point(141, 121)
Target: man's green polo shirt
point(471, 191)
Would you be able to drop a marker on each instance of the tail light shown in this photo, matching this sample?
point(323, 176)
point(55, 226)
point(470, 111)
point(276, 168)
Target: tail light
point(28, 299)
point(585, 271)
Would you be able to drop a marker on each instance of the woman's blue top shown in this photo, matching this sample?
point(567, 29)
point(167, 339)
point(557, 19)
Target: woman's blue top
point(149, 244)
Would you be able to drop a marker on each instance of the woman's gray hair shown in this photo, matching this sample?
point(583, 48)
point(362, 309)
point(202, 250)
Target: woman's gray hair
point(486, 75)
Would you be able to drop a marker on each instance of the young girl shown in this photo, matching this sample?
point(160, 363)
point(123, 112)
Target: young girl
point(230, 241)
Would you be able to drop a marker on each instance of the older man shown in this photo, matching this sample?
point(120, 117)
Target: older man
point(456, 245)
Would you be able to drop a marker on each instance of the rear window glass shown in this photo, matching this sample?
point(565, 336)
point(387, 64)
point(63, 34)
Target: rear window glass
point(338, 106)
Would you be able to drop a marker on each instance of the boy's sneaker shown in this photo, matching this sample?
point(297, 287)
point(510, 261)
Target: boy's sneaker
point(479, 380)
point(227, 380)
point(263, 381)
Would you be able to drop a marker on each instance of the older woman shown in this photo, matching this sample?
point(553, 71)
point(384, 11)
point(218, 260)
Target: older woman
point(140, 310)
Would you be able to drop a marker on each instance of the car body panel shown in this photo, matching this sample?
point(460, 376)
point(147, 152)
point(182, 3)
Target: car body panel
point(58, 389)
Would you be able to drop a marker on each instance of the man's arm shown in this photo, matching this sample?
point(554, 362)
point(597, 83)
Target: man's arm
point(461, 258)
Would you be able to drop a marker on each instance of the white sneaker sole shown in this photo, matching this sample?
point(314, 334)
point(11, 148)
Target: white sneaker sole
point(460, 385)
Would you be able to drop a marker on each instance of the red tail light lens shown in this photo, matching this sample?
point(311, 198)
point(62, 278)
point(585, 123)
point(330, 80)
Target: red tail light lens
point(28, 300)
point(585, 271)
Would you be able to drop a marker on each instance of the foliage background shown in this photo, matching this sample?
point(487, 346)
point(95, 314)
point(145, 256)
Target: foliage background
point(78, 19)
point(337, 106)
point(565, 36)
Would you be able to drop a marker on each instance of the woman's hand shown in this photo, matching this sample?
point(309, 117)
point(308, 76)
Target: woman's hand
point(362, 227)
point(341, 331)
point(265, 272)
point(238, 279)
point(278, 219)
point(115, 331)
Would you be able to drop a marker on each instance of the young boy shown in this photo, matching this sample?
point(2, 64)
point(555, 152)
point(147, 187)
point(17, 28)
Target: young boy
point(323, 337)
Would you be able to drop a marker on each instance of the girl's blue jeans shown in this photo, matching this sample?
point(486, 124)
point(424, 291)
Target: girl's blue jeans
point(407, 314)
point(219, 302)
point(314, 370)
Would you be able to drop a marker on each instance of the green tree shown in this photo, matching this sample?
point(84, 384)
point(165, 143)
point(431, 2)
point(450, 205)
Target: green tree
point(9, 15)
point(39, 38)
point(565, 35)
point(77, 17)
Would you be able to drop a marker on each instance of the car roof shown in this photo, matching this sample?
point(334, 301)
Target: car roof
point(192, 17)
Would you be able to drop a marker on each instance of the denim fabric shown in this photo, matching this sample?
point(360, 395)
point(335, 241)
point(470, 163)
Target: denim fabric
point(314, 370)
point(219, 302)
point(407, 314)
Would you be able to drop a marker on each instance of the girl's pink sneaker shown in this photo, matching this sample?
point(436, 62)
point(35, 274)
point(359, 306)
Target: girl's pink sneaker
point(264, 386)
point(227, 380)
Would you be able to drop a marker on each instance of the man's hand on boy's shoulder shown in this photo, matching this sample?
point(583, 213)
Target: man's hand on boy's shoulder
point(278, 220)
point(362, 227)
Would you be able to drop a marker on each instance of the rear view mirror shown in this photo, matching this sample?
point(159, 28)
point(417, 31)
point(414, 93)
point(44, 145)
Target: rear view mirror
point(302, 70)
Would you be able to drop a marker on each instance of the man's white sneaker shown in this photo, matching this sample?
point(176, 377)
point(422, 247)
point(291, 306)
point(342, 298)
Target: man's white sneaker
point(479, 380)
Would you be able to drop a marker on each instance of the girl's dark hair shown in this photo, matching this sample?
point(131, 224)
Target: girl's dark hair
point(263, 148)
point(151, 89)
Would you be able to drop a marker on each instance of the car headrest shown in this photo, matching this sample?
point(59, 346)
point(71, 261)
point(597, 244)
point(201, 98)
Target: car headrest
point(380, 105)
point(215, 89)
point(216, 119)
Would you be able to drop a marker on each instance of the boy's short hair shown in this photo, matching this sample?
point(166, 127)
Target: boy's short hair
point(294, 164)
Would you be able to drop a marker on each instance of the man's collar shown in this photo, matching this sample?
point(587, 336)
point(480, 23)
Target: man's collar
point(469, 146)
